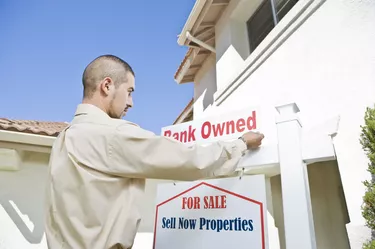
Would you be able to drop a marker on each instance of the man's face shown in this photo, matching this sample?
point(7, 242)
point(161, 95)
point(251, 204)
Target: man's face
point(121, 98)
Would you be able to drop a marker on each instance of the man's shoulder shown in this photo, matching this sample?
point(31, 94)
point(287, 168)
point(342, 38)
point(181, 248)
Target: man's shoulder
point(91, 120)
point(91, 128)
point(128, 128)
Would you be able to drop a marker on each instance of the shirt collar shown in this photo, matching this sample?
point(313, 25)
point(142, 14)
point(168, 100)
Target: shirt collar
point(89, 109)
point(92, 110)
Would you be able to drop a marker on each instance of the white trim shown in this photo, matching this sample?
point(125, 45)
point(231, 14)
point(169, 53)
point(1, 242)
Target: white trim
point(198, 7)
point(183, 116)
point(25, 147)
point(290, 23)
point(26, 138)
point(186, 65)
point(262, 161)
point(26, 141)
point(199, 42)
point(183, 71)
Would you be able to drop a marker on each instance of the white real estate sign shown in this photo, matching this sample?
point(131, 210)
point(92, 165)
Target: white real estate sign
point(218, 213)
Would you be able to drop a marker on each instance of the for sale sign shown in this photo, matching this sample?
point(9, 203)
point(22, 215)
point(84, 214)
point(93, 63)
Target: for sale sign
point(219, 127)
point(219, 213)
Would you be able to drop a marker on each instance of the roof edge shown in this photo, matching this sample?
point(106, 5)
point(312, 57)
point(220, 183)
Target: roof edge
point(26, 138)
point(181, 71)
point(185, 112)
point(189, 24)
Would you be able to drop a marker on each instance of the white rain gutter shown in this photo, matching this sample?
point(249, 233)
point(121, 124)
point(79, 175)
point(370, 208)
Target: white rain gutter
point(197, 9)
point(26, 141)
point(199, 42)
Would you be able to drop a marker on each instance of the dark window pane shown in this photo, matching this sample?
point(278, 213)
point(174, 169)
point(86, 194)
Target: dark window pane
point(283, 7)
point(260, 24)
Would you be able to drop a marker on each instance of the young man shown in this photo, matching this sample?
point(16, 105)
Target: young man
point(99, 164)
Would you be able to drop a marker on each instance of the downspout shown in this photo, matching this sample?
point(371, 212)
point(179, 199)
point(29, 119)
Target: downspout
point(199, 42)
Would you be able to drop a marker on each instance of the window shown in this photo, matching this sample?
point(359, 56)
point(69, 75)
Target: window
point(265, 19)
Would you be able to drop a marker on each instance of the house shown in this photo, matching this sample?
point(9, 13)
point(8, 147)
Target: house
point(25, 147)
point(317, 53)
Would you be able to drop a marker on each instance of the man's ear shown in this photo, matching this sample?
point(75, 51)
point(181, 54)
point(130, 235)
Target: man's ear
point(105, 85)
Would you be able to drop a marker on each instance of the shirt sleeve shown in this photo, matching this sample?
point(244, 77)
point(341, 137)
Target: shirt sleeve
point(137, 153)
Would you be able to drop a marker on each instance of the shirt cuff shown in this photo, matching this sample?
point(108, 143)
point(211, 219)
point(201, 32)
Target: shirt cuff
point(240, 145)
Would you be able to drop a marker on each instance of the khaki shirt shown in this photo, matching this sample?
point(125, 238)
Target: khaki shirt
point(97, 173)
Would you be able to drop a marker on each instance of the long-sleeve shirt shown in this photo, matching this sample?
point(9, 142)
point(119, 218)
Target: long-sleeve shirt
point(97, 173)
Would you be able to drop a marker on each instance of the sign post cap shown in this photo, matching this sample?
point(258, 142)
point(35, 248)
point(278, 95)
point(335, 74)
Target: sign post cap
point(290, 108)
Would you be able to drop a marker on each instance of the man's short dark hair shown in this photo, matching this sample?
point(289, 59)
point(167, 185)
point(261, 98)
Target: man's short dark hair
point(101, 67)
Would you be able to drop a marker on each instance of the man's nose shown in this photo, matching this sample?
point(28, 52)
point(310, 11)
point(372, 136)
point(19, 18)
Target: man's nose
point(130, 103)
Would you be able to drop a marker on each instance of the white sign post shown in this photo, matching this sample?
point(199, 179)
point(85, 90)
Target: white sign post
point(294, 180)
point(218, 213)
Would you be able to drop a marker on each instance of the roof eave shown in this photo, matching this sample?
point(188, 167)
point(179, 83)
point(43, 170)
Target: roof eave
point(179, 76)
point(189, 108)
point(182, 73)
point(26, 138)
point(194, 14)
point(26, 141)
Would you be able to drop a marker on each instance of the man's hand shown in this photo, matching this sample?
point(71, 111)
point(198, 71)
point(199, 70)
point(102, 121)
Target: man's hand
point(253, 139)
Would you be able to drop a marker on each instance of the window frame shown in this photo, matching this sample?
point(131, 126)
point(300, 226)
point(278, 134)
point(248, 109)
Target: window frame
point(273, 19)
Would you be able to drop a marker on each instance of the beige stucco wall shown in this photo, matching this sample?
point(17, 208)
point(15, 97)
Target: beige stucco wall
point(21, 201)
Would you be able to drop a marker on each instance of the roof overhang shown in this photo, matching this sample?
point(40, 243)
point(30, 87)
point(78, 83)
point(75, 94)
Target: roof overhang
point(186, 114)
point(190, 65)
point(26, 141)
point(203, 15)
point(199, 35)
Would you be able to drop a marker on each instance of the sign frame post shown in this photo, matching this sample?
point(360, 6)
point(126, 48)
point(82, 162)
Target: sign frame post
point(298, 218)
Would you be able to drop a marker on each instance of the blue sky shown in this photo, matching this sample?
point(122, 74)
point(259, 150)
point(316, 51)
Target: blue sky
point(45, 46)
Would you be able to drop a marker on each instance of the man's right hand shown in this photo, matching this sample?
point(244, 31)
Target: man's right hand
point(253, 139)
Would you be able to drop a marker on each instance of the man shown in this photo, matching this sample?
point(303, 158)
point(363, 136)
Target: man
point(99, 164)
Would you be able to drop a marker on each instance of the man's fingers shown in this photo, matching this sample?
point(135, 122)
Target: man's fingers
point(260, 137)
point(254, 139)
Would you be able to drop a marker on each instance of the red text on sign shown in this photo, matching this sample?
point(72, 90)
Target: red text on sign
point(228, 127)
point(191, 203)
point(215, 202)
point(209, 202)
point(183, 136)
point(208, 129)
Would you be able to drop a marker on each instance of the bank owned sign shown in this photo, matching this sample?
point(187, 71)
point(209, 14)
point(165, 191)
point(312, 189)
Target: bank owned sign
point(220, 127)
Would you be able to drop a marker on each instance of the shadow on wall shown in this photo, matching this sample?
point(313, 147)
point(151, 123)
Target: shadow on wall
point(22, 198)
point(208, 98)
point(206, 87)
point(328, 205)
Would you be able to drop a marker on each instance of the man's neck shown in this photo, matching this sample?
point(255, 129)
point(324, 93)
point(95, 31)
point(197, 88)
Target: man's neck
point(94, 102)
